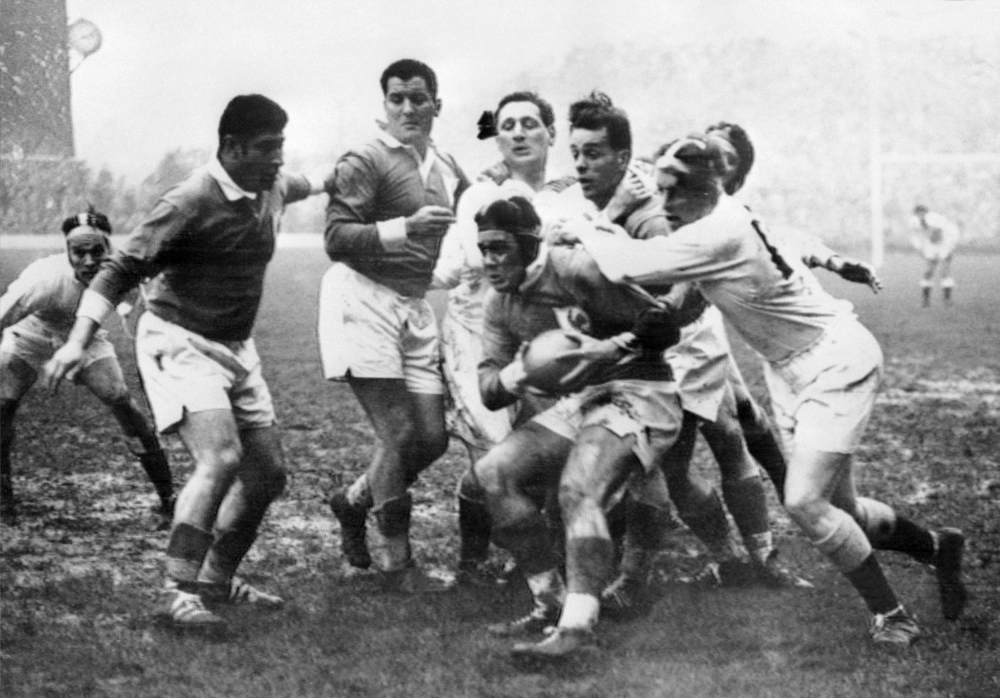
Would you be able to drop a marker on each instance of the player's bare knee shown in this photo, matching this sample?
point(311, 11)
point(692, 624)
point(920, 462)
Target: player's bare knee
point(469, 486)
point(223, 461)
point(572, 496)
point(489, 474)
point(804, 506)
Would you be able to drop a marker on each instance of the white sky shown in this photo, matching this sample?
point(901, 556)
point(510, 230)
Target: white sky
point(167, 67)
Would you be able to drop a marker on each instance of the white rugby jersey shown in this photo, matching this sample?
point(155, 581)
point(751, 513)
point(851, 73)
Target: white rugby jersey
point(759, 284)
point(46, 289)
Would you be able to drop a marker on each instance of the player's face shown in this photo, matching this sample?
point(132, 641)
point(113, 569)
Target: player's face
point(523, 139)
point(410, 109)
point(599, 167)
point(86, 248)
point(254, 162)
point(681, 204)
point(503, 262)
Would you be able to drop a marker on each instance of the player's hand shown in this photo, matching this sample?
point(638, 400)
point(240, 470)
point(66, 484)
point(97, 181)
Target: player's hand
point(66, 363)
point(497, 172)
point(513, 376)
point(591, 352)
point(430, 221)
point(570, 231)
point(856, 272)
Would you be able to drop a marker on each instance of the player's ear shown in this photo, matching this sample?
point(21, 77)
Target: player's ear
point(437, 106)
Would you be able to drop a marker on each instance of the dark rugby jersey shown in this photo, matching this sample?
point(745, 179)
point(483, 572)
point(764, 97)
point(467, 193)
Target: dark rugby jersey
point(378, 182)
point(204, 255)
point(564, 277)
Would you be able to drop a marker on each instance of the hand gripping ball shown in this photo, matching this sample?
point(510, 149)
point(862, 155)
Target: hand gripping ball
point(543, 361)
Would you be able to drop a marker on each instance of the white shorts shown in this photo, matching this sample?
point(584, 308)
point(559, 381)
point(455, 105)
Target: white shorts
point(701, 364)
point(649, 410)
point(823, 397)
point(184, 372)
point(35, 341)
point(466, 416)
point(367, 330)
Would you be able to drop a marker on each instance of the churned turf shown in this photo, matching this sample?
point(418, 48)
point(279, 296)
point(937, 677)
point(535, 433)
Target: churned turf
point(79, 576)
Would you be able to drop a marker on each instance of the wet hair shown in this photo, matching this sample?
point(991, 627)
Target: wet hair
point(248, 115)
point(739, 166)
point(516, 216)
point(407, 69)
point(703, 163)
point(596, 112)
point(91, 218)
point(544, 108)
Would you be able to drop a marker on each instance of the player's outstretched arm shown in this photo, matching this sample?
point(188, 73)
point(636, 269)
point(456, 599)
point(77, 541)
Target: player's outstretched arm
point(68, 359)
point(855, 271)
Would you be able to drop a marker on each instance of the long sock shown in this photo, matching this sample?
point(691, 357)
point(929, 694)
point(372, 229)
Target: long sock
point(528, 541)
point(225, 555)
point(874, 588)
point(910, 538)
point(707, 520)
point(473, 529)
point(186, 551)
point(158, 471)
point(547, 589)
point(747, 503)
point(580, 611)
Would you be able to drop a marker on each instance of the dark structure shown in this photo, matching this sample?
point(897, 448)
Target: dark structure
point(35, 117)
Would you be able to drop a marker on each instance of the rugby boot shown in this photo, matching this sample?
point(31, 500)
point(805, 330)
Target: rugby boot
point(479, 573)
point(561, 642)
point(164, 513)
point(8, 503)
point(239, 593)
point(715, 575)
point(184, 610)
point(411, 580)
point(540, 618)
point(897, 627)
point(770, 573)
point(625, 596)
point(352, 520)
point(948, 570)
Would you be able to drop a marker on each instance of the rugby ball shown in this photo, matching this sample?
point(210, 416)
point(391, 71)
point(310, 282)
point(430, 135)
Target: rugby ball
point(544, 364)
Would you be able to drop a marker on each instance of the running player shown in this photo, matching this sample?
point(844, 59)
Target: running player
point(822, 366)
point(36, 314)
point(205, 247)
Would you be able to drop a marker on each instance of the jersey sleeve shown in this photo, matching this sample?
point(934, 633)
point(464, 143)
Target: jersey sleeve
point(350, 214)
point(500, 346)
point(143, 254)
point(21, 298)
point(295, 187)
point(705, 248)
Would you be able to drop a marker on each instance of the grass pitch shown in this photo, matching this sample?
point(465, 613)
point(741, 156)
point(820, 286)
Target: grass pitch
point(79, 576)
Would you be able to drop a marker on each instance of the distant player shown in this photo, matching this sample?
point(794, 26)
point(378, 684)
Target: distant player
point(36, 314)
point(935, 238)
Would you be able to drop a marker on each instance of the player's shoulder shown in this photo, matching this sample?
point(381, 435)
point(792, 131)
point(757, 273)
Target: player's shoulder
point(47, 269)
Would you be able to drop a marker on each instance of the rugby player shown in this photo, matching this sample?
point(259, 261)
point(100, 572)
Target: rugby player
point(604, 434)
point(204, 248)
point(935, 238)
point(707, 377)
point(822, 367)
point(391, 202)
point(36, 315)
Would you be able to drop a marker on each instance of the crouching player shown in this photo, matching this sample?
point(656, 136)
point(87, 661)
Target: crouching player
point(205, 246)
point(614, 429)
point(36, 314)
